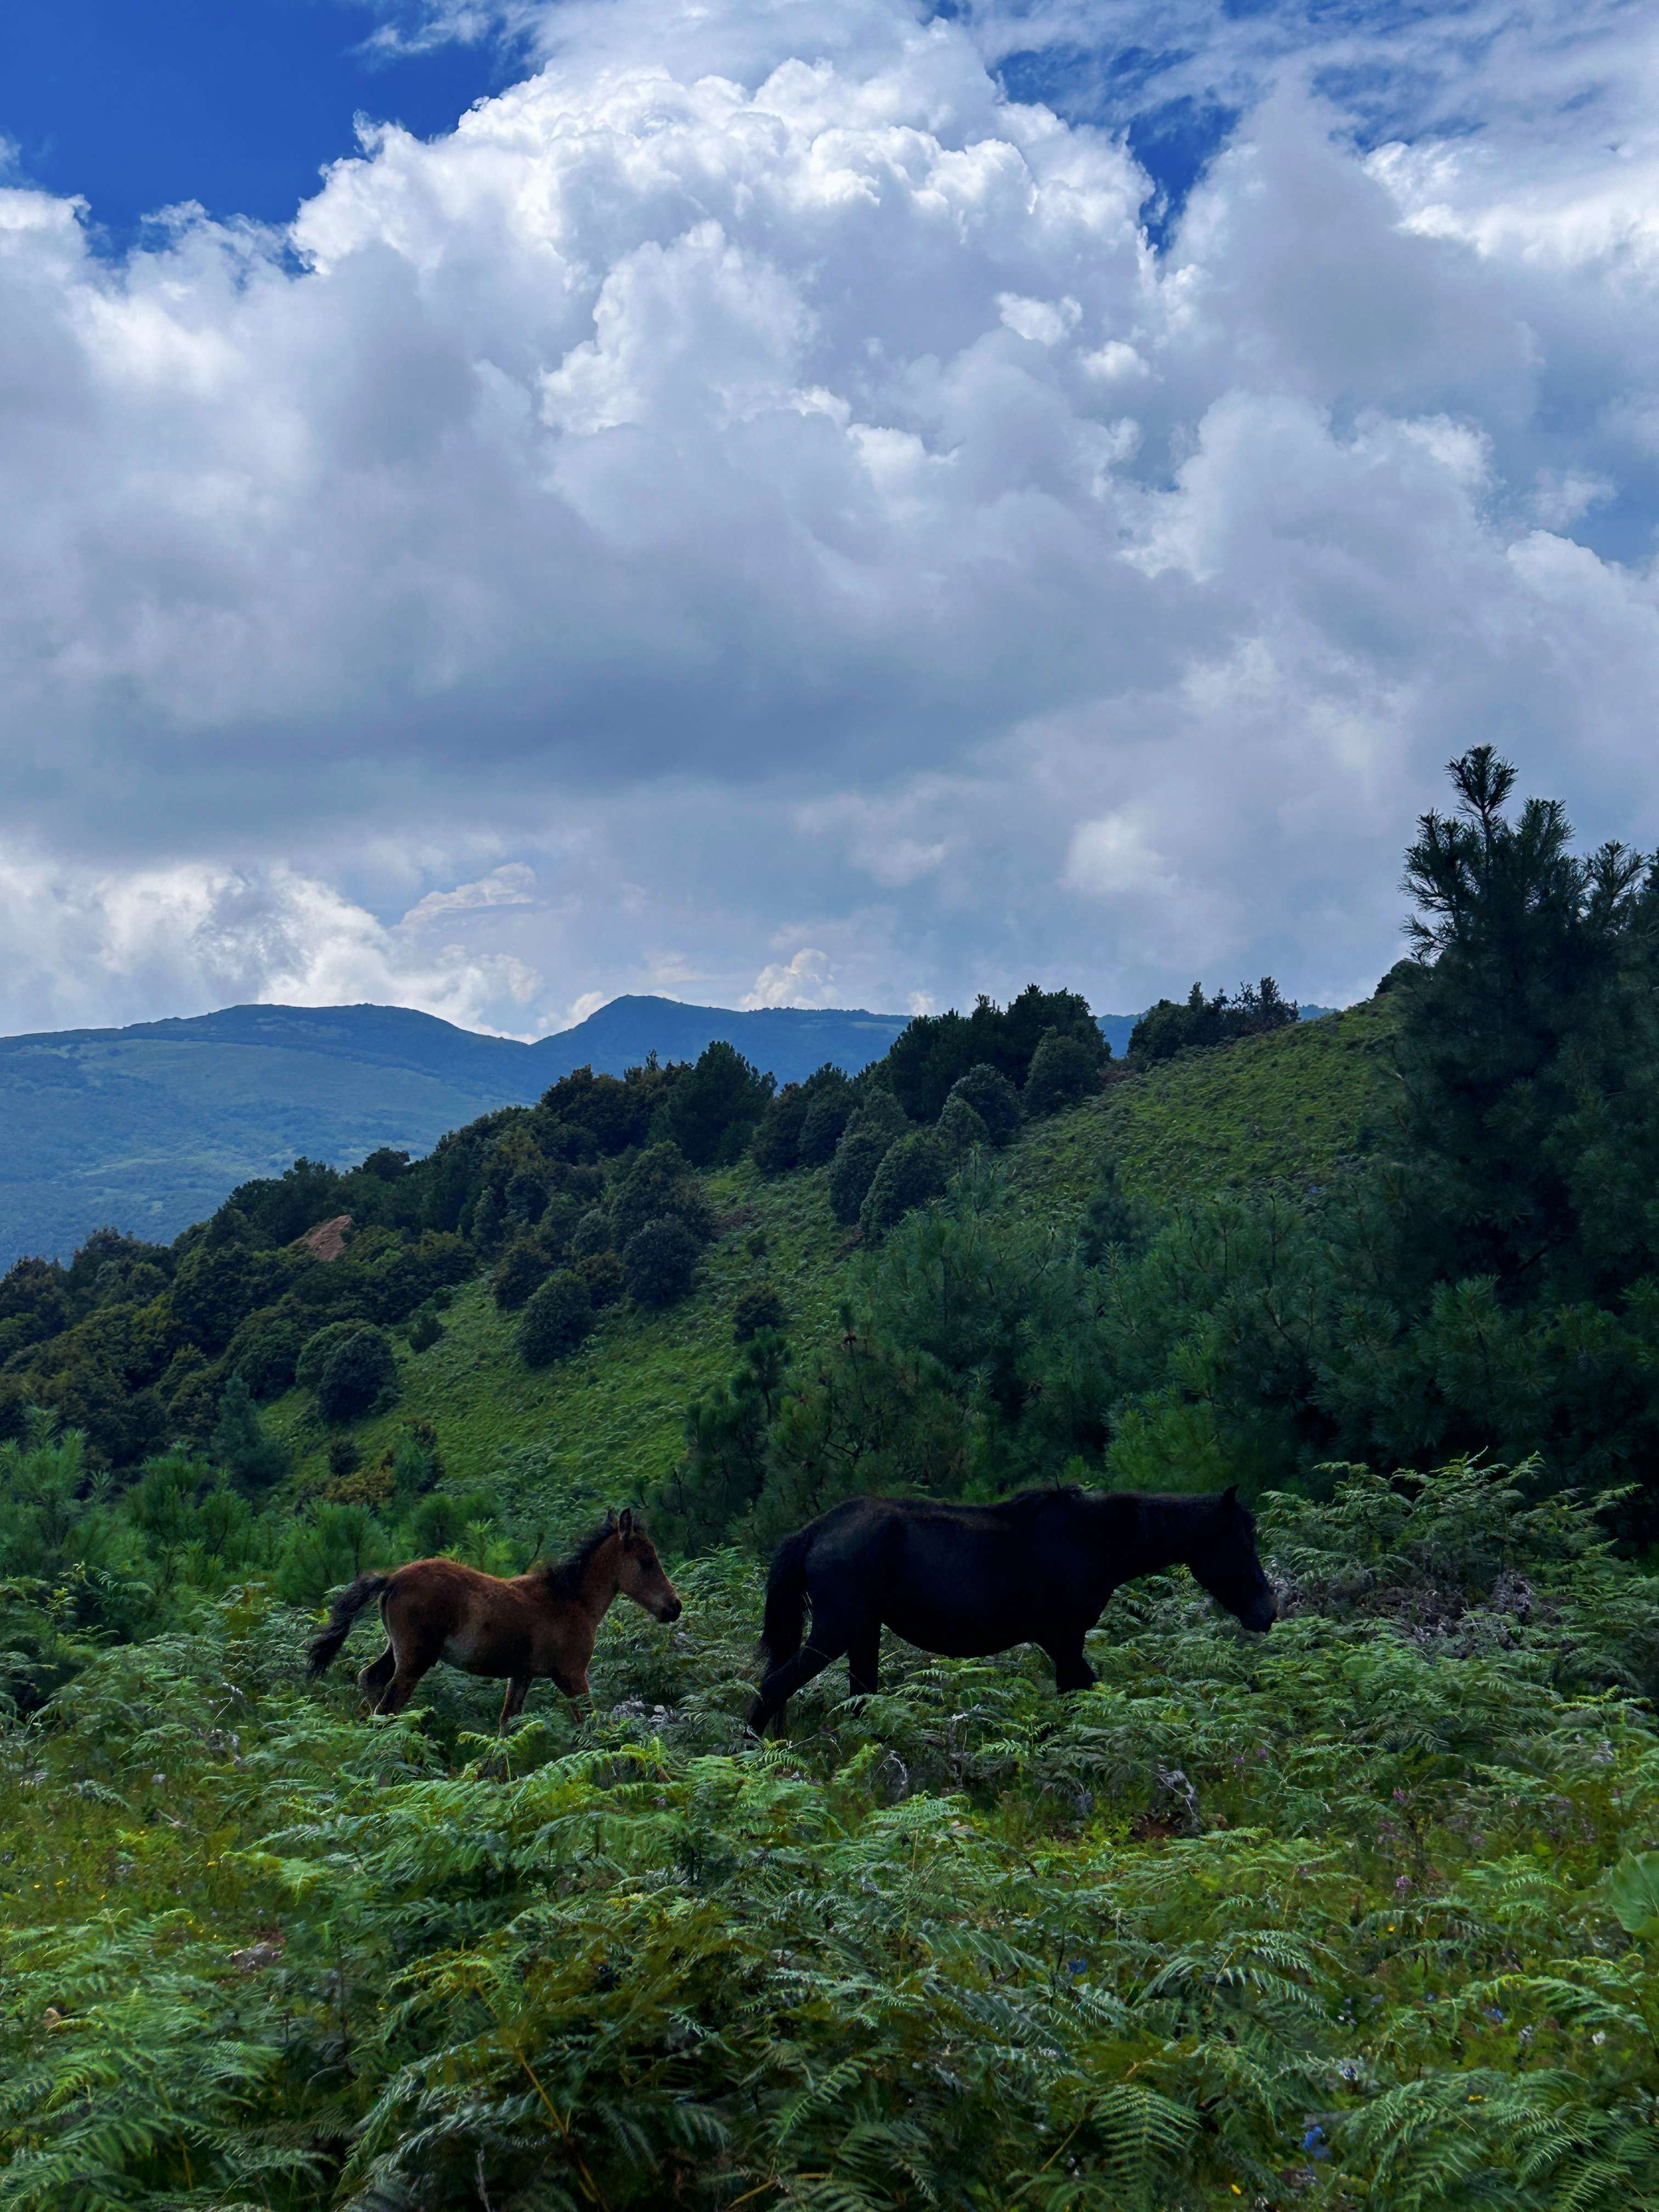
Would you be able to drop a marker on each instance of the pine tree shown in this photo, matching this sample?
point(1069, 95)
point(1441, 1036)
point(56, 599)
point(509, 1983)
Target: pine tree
point(254, 1461)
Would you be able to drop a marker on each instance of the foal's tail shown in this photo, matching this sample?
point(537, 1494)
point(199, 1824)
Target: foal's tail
point(322, 1650)
point(785, 1619)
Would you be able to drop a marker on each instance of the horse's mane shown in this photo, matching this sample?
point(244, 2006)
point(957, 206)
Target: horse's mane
point(565, 1576)
point(1183, 1505)
point(1026, 1503)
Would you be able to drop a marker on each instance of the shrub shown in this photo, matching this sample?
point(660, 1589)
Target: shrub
point(661, 1187)
point(602, 1272)
point(859, 1153)
point(914, 1168)
point(992, 1097)
point(760, 1307)
point(424, 1330)
point(524, 1199)
point(522, 1268)
point(361, 1375)
point(487, 1221)
point(1201, 1023)
point(776, 1144)
point(556, 1320)
point(1063, 1070)
point(319, 1348)
point(961, 1127)
point(828, 1113)
point(593, 1234)
point(265, 1349)
point(658, 1262)
point(344, 1456)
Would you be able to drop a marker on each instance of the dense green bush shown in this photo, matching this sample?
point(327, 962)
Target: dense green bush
point(879, 1122)
point(828, 1112)
point(1201, 1023)
point(660, 1186)
point(319, 1348)
point(761, 1306)
point(992, 1097)
point(360, 1374)
point(913, 1170)
point(659, 1262)
point(602, 1272)
point(937, 1049)
point(1064, 1069)
point(265, 1349)
point(524, 1266)
point(593, 1234)
point(556, 1320)
point(961, 1127)
point(425, 1329)
point(775, 1146)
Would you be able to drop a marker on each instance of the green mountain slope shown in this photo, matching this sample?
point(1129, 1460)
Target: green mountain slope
point(601, 1427)
point(148, 1128)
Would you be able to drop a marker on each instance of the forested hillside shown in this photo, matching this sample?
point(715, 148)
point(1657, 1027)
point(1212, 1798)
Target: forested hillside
point(1363, 1912)
point(146, 1127)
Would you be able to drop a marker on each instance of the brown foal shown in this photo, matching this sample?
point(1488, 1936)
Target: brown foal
point(544, 1623)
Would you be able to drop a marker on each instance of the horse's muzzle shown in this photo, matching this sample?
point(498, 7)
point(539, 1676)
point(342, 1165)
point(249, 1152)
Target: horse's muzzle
point(671, 1611)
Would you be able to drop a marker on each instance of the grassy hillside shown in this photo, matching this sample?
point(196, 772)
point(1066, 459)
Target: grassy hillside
point(601, 1427)
point(1284, 1106)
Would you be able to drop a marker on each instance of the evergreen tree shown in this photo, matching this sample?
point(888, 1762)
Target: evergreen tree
point(556, 1320)
point(360, 1374)
point(913, 1170)
point(254, 1461)
point(660, 1186)
point(714, 1106)
point(659, 1261)
point(1530, 1046)
point(828, 1113)
point(1063, 1070)
point(992, 1097)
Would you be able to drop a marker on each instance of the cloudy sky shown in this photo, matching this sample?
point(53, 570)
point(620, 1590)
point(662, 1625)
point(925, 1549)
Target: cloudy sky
point(802, 501)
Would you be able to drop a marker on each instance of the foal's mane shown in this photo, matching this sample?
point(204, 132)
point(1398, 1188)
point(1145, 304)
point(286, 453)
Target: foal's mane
point(565, 1576)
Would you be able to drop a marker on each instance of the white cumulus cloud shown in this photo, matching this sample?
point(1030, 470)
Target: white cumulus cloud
point(753, 489)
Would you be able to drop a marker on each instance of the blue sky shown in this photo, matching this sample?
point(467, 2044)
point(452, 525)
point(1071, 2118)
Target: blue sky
point(799, 501)
point(236, 108)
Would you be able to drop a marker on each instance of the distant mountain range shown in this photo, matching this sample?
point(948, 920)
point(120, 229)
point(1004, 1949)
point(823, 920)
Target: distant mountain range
point(148, 1128)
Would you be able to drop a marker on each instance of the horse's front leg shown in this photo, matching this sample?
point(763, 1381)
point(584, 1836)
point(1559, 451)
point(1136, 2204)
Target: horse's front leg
point(1071, 1670)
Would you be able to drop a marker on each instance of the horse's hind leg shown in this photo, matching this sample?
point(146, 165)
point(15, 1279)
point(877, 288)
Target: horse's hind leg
point(513, 1703)
point(782, 1684)
point(375, 1677)
point(864, 1662)
point(398, 1691)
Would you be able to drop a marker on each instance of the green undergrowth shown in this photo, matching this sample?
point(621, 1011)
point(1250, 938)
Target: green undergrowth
point(1365, 1913)
point(604, 1425)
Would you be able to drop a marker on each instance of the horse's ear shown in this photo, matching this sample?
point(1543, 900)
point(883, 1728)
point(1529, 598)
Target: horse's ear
point(625, 1523)
point(610, 1521)
point(1229, 1495)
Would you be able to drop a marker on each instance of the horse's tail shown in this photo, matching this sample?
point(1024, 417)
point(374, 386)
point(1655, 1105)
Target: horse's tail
point(322, 1650)
point(785, 1619)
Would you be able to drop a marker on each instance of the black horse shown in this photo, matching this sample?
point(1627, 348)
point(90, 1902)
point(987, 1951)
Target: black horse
point(966, 1580)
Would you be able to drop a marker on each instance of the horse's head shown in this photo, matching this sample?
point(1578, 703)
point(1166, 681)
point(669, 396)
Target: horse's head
point(1224, 1561)
point(639, 1570)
